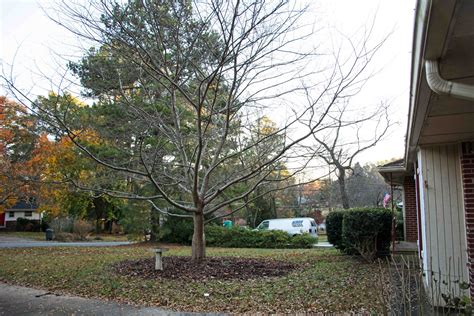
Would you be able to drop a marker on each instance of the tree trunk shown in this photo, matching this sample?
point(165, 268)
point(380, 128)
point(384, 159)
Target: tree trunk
point(341, 179)
point(273, 201)
point(248, 212)
point(97, 225)
point(254, 219)
point(198, 244)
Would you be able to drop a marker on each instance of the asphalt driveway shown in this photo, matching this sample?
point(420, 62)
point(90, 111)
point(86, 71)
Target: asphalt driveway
point(18, 300)
point(16, 242)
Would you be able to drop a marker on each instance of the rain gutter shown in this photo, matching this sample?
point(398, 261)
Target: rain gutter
point(442, 86)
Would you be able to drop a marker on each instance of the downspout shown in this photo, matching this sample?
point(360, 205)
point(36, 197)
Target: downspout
point(394, 219)
point(442, 86)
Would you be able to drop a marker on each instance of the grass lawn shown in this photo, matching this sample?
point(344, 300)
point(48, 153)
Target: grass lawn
point(26, 235)
point(328, 281)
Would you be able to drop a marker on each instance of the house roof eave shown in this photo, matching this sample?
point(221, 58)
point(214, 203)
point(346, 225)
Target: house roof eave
point(433, 19)
point(423, 9)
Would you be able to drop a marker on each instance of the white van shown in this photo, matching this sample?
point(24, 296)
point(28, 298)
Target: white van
point(293, 226)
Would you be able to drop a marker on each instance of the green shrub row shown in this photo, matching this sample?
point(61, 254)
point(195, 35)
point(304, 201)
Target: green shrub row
point(364, 231)
point(27, 225)
point(217, 236)
point(181, 231)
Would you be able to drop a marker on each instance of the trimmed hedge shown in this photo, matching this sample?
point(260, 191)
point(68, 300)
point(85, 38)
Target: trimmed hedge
point(364, 231)
point(303, 241)
point(334, 228)
point(244, 238)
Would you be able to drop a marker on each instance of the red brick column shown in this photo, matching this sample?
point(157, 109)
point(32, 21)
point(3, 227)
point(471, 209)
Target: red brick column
point(467, 171)
point(411, 218)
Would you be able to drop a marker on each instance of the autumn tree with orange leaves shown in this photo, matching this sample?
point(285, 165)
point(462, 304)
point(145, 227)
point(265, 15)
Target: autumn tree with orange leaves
point(17, 141)
point(64, 169)
point(61, 167)
point(37, 162)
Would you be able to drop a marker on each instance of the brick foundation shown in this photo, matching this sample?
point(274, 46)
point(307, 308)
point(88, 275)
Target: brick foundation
point(10, 226)
point(467, 171)
point(411, 218)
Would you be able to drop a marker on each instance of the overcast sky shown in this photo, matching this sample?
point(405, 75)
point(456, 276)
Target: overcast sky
point(32, 42)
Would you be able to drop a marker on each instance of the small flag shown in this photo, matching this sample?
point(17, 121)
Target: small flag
point(386, 200)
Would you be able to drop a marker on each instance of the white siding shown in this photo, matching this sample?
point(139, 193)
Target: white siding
point(443, 227)
point(18, 214)
point(424, 227)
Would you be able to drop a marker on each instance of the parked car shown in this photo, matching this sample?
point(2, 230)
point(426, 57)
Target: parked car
point(293, 226)
point(322, 226)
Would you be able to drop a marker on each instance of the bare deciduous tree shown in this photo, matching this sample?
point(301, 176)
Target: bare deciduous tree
point(365, 186)
point(347, 136)
point(343, 133)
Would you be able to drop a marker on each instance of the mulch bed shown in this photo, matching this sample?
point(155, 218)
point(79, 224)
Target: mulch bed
point(218, 268)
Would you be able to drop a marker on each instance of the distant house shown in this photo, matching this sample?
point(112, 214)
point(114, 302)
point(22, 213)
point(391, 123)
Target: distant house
point(22, 209)
point(437, 172)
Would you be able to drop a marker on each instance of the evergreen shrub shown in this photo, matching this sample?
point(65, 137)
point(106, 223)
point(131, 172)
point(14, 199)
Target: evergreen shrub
point(334, 228)
point(217, 236)
point(363, 231)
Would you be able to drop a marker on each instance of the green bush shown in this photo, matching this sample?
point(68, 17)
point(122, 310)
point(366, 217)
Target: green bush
point(26, 225)
point(368, 231)
point(303, 241)
point(364, 231)
point(135, 221)
point(223, 237)
point(334, 228)
point(244, 238)
point(177, 230)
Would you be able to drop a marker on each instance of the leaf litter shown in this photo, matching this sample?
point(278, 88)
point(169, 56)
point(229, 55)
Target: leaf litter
point(216, 268)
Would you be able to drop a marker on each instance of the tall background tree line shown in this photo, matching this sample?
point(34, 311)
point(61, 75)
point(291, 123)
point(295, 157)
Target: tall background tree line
point(37, 165)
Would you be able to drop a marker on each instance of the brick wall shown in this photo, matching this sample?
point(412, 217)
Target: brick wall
point(467, 171)
point(10, 226)
point(411, 220)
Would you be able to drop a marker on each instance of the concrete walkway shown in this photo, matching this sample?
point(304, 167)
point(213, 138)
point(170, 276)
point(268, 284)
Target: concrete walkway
point(323, 244)
point(63, 244)
point(15, 242)
point(17, 300)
